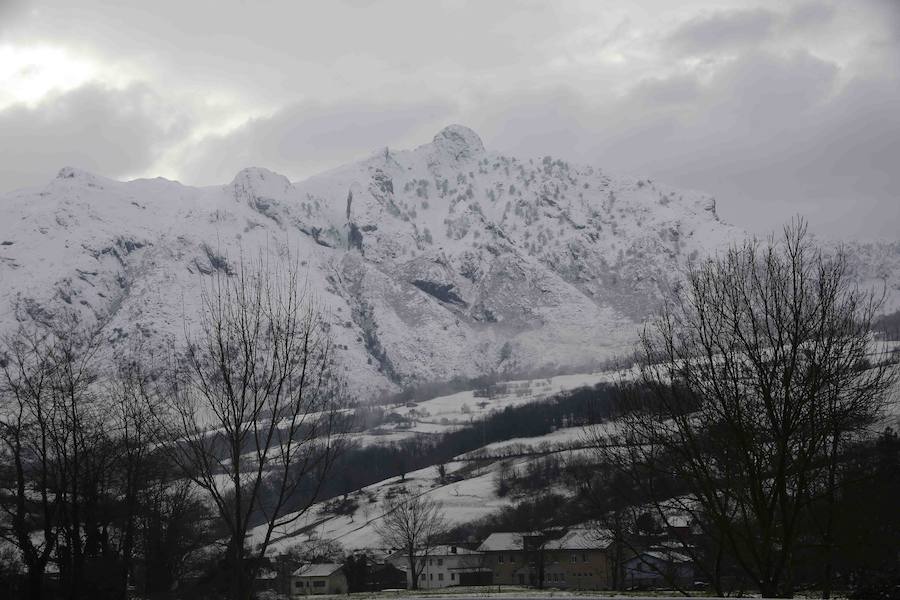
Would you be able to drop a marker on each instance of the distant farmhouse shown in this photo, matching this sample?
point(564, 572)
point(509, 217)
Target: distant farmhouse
point(326, 578)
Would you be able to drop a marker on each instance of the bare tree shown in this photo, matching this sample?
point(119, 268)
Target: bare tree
point(257, 419)
point(53, 428)
point(139, 467)
point(27, 487)
point(754, 375)
point(413, 526)
point(82, 449)
point(172, 530)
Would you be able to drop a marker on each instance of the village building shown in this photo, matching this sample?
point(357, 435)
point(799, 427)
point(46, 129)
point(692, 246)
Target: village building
point(579, 559)
point(447, 566)
point(315, 579)
point(508, 555)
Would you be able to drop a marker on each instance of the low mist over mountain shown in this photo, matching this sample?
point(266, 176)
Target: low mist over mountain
point(444, 261)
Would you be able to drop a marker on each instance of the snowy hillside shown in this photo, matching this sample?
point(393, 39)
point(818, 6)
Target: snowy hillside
point(470, 491)
point(444, 261)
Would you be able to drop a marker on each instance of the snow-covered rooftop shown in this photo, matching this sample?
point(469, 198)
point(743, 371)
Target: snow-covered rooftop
point(501, 542)
point(582, 539)
point(317, 570)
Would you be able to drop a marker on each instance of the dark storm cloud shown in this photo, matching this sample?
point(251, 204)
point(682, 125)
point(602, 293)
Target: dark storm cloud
point(108, 131)
point(10, 8)
point(722, 30)
point(889, 11)
point(737, 29)
point(809, 14)
point(769, 135)
point(10, 12)
point(665, 92)
point(303, 138)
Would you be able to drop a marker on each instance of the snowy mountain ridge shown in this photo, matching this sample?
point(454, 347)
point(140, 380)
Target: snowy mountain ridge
point(442, 261)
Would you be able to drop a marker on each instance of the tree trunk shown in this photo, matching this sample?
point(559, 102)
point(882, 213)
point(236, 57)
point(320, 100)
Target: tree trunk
point(35, 582)
point(768, 589)
point(717, 571)
point(413, 576)
point(828, 571)
point(541, 570)
point(237, 571)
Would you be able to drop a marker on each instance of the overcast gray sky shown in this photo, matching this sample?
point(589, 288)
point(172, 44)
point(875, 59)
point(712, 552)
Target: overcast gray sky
point(775, 107)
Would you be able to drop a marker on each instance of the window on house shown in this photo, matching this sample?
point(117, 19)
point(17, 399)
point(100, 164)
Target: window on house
point(431, 576)
point(452, 576)
point(430, 562)
point(574, 558)
point(298, 584)
point(318, 584)
point(440, 562)
point(499, 558)
point(440, 576)
point(583, 557)
point(422, 576)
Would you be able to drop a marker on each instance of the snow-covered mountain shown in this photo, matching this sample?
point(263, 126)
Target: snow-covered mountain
point(446, 260)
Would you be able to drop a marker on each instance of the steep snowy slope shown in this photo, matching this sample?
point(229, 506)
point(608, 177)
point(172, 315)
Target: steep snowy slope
point(446, 260)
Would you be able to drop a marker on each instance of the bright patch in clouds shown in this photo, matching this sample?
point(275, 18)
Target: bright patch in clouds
point(28, 74)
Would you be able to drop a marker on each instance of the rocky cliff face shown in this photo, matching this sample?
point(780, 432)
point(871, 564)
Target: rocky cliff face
point(446, 260)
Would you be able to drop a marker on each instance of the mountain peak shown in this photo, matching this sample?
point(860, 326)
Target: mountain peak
point(458, 142)
point(75, 173)
point(257, 182)
point(258, 174)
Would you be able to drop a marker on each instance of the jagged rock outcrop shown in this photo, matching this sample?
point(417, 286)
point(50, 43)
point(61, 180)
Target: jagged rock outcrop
point(442, 261)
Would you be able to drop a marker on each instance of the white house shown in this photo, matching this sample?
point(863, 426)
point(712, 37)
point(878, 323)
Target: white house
point(446, 566)
point(326, 578)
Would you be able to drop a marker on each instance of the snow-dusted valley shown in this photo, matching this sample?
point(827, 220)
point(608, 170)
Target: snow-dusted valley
point(445, 261)
point(468, 491)
point(470, 488)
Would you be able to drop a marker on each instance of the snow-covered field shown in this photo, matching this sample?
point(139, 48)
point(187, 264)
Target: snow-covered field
point(446, 413)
